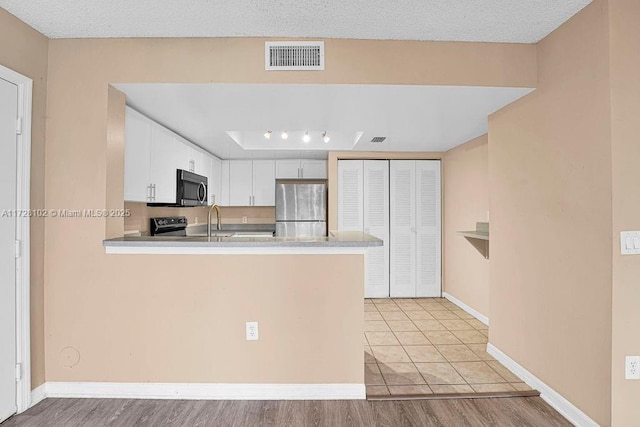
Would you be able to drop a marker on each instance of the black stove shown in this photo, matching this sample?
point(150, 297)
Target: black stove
point(168, 226)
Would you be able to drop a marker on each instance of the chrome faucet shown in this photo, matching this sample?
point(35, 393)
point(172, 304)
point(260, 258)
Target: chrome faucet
point(218, 219)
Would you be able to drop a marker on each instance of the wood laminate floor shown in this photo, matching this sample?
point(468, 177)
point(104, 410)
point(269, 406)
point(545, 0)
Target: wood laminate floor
point(517, 411)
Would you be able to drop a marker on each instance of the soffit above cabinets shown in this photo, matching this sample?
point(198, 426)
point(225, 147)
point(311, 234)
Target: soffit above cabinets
point(230, 120)
point(506, 21)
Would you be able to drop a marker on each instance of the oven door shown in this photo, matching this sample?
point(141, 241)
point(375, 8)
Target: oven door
point(191, 189)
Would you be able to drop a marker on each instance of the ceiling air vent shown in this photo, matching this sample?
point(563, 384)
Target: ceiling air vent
point(378, 139)
point(293, 56)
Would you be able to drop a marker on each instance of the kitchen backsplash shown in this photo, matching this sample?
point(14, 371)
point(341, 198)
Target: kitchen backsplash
point(140, 214)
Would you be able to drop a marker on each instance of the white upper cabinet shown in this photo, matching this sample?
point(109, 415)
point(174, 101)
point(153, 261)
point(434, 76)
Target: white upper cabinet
point(264, 183)
point(288, 169)
point(215, 176)
point(137, 185)
point(252, 182)
point(182, 153)
point(376, 223)
point(350, 195)
point(296, 168)
point(153, 154)
point(224, 183)
point(163, 165)
point(313, 169)
point(240, 182)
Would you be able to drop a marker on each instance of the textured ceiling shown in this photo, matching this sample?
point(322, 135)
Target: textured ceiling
point(516, 21)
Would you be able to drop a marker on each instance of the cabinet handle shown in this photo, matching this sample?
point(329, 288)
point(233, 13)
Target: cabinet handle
point(153, 187)
point(192, 166)
point(213, 199)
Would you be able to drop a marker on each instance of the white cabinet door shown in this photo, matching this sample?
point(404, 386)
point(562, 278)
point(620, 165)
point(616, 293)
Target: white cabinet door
point(313, 169)
point(288, 169)
point(224, 184)
point(264, 183)
point(403, 228)
point(376, 223)
point(137, 142)
point(428, 234)
point(240, 182)
point(196, 161)
point(163, 164)
point(181, 153)
point(214, 179)
point(350, 195)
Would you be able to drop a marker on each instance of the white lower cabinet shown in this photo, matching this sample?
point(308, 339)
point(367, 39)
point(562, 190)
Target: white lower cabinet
point(252, 182)
point(397, 201)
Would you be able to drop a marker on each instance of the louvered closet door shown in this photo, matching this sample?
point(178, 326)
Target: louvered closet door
point(428, 246)
point(403, 228)
point(350, 187)
point(376, 223)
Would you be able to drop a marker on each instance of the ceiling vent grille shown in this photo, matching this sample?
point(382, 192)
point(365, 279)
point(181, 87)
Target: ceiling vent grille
point(294, 56)
point(378, 139)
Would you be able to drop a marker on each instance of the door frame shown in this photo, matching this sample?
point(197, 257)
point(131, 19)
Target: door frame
point(23, 232)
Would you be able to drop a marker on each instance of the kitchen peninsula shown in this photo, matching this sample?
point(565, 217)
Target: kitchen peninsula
point(337, 242)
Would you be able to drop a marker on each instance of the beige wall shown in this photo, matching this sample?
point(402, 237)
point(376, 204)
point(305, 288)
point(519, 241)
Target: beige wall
point(24, 50)
point(625, 120)
point(180, 318)
point(466, 201)
point(550, 202)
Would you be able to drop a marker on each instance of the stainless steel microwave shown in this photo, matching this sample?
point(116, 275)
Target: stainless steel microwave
point(191, 189)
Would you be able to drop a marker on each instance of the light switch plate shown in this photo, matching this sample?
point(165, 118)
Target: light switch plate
point(630, 242)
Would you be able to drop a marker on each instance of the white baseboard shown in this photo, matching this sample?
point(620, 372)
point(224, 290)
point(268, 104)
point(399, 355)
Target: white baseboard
point(552, 397)
point(38, 394)
point(475, 313)
point(205, 391)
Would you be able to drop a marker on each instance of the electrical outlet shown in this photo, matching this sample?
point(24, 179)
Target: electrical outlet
point(632, 368)
point(196, 220)
point(252, 331)
point(244, 219)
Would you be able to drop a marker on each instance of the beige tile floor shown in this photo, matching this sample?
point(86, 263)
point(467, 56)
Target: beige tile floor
point(429, 346)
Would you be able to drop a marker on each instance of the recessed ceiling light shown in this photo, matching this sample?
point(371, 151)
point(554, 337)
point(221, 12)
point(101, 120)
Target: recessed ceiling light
point(285, 135)
point(306, 137)
point(325, 138)
point(267, 134)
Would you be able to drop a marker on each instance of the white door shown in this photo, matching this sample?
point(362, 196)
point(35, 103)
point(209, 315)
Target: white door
point(264, 183)
point(8, 114)
point(137, 142)
point(313, 169)
point(350, 198)
point(240, 182)
point(428, 229)
point(403, 228)
point(287, 169)
point(376, 223)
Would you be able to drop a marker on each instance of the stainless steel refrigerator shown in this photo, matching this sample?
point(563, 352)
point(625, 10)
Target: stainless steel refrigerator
point(301, 207)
